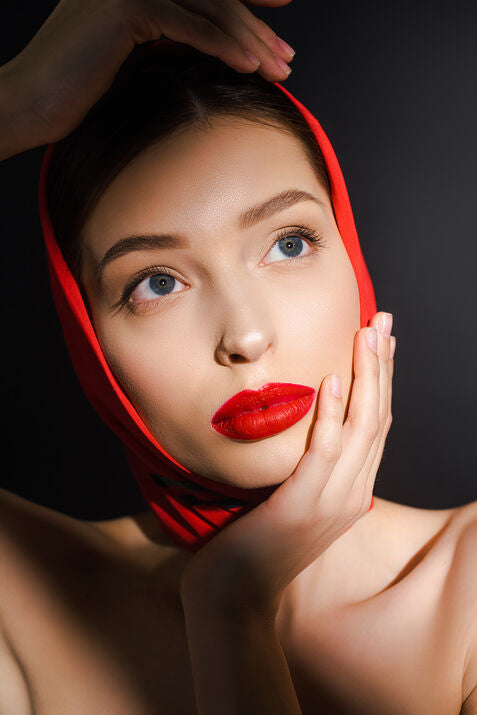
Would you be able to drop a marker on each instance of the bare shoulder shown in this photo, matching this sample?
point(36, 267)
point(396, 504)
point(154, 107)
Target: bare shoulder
point(15, 694)
point(466, 554)
point(13, 506)
point(461, 600)
point(41, 547)
point(86, 624)
point(36, 540)
point(28, 533)
point(462, 575)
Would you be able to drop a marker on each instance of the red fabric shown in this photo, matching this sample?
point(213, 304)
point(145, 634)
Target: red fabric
point(190, 508)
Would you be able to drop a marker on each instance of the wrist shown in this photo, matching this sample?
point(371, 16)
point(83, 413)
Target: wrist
point(237, 660)
point(17, 130)
point(209, 596)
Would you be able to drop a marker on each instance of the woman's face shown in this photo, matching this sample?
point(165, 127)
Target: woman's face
point(234, 311)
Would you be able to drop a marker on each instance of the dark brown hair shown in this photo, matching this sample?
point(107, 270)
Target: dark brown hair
point(154, 94)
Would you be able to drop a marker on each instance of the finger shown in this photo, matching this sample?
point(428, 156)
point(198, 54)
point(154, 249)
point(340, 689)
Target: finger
point(265, 33)
point(298, 494)
point(387, 427)
point(373, 470)
point(251, 33)
point(182, 25)
point(362, 424)
point(364, 483)
point(383, 322)
point(273, 52)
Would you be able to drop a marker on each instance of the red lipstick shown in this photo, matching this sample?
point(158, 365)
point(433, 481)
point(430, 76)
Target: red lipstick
point(254, 414)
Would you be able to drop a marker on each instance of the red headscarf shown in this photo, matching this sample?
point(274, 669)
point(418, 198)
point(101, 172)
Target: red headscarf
point(190, 508)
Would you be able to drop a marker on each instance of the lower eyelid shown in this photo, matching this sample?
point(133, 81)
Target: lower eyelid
point(143, 306)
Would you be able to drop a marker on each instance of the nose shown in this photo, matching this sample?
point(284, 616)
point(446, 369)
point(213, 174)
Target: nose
point(247, 329)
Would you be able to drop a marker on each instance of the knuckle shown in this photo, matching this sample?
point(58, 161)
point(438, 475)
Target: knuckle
point(215, 8)
point(220, 12)
point(383, 411)
point(263, 30)
point(374, 367)
point(329, 448)
point(328, 508)
point(355, 504)
point(371, 429)
point(366, 504)
point(353, 508)
point(368, 427)
point(388, 424)
point(208, 30)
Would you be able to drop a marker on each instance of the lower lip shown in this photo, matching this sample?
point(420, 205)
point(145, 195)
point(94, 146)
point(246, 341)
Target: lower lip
point(267, 422)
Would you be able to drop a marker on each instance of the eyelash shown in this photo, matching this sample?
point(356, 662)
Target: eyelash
point(315, 239)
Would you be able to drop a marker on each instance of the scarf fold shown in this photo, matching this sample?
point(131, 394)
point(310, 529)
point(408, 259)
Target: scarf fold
point(190, 508)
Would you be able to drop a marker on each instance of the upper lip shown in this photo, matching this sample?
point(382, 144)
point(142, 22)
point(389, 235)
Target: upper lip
point(273, 393)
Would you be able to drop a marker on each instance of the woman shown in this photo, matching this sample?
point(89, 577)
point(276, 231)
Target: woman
point(317, 598)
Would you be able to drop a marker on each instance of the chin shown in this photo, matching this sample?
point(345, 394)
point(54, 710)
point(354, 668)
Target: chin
point(260, 463)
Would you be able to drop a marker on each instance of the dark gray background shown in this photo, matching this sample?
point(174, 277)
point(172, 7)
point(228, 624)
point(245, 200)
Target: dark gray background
point(393, 85)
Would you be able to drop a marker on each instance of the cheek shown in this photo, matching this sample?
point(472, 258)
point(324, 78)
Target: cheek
point(337, 319)
point(149, 368)
point(350, 323)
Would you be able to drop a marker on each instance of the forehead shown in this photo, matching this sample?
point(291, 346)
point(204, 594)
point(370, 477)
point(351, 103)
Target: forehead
point(202, 177)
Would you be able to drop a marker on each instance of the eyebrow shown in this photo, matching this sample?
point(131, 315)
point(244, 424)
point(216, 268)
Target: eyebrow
point(250, 217)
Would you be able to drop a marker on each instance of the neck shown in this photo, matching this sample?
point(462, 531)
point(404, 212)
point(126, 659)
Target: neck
point(332, 577)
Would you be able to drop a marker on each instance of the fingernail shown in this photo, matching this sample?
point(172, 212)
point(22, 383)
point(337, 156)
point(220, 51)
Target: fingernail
point(392, 347)
point(285, 46)
point(336, 385)
point(372, 338)
point(386, 323)
point(252, 58)
point(283, 65)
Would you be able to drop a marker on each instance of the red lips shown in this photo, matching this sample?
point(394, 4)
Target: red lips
point(247, 415)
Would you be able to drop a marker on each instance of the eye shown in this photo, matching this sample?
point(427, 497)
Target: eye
point(289, 247)
point(292, 242)
point(148, 287)
point(154, 286)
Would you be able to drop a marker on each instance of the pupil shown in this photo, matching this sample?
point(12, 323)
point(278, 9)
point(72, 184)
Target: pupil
point(288, 243)
point(161, 283)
